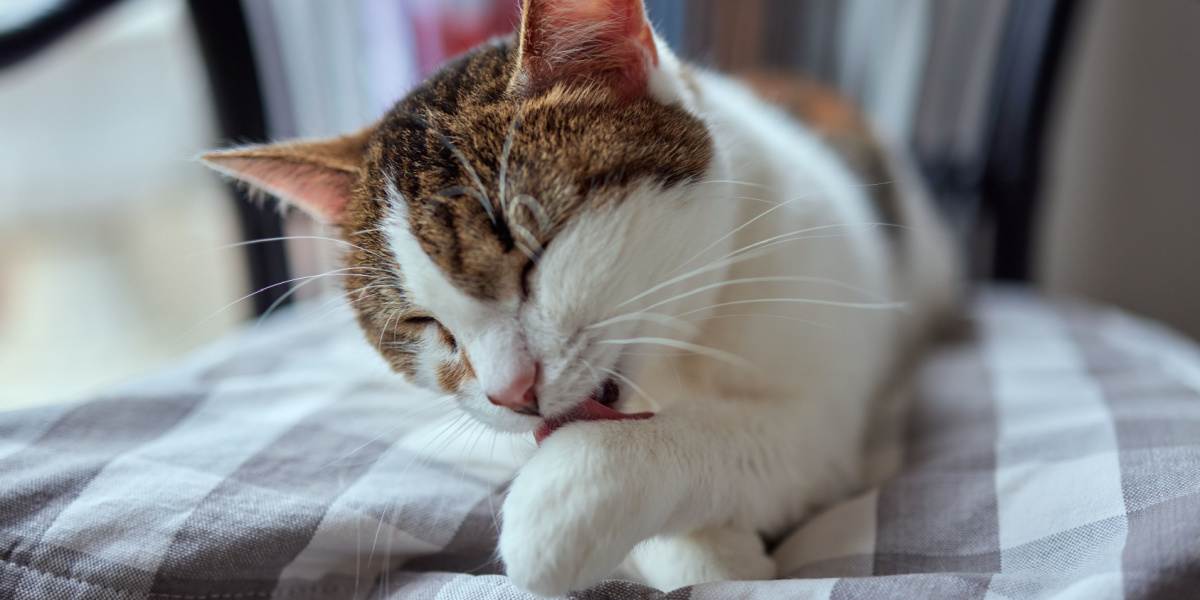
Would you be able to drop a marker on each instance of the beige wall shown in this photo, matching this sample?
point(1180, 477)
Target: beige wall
point(109, 229)
point(1122, 213)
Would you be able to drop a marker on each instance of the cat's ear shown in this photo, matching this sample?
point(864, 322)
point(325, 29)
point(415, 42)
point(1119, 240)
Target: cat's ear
point(318, 176)
point(609, 42)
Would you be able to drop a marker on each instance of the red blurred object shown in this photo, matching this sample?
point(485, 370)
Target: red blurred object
point(445, 29)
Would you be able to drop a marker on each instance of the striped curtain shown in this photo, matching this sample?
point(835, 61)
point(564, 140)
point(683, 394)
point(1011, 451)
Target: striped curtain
point(920, 69)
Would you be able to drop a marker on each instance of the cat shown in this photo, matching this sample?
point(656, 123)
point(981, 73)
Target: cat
point(687, 296)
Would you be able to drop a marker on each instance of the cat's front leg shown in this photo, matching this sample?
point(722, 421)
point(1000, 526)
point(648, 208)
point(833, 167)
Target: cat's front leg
point(721, 553)
point(580, 505)
point(594, 490)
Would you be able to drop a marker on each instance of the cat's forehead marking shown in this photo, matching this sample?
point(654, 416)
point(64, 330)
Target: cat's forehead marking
point(567, 150)
point(427, 283)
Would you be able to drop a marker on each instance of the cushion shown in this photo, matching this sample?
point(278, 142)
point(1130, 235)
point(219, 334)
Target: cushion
point(1055, 453)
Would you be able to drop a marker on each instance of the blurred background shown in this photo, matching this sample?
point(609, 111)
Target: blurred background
point(1059, 136)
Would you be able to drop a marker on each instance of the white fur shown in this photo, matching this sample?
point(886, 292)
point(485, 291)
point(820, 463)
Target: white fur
point(665, 85)
point(737, 448)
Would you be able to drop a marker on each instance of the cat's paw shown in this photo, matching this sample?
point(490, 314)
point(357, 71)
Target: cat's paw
point(575, 511)
point(714, 554)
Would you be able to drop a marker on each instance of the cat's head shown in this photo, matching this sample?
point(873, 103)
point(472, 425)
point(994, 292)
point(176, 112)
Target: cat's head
point(502, 214)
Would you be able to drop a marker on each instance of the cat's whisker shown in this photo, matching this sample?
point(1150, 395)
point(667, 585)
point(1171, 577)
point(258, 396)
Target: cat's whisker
point(735, 231)
point(332, 304)
point(491, 495)
point(280, 300)
point(334, 273)
point(766, 187)
point(362, 292)
point(766, 316)
point(389, 432)
point(378, 530)
point(483, 430)
point(387, 323)
point(535, 207)
point(453, 434)
point(528, 244)
point(732, 182)
point(713, 353)
point(288, 238)
point(653, 354)
point(790, 236)
point(714, 265)
point(658, 318)
point(466, 164)
point(505, 153)
point(720, 261)
point(757, 217)
point(283, 298)
point(768, 279)
point(743, 254)
point(378, 281)
point(881, 306)
point(722, 197)
point(754, 199)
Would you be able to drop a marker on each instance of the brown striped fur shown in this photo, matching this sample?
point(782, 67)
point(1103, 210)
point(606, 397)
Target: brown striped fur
point(573, 146)
point(477, 138)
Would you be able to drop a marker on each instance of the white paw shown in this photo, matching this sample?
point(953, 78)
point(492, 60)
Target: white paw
point(714, 554)
point(576, 510)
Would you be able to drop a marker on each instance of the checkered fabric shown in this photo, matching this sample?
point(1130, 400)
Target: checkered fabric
point(1055, 455)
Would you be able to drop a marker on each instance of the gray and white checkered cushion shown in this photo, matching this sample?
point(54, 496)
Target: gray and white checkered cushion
point(1057, 455)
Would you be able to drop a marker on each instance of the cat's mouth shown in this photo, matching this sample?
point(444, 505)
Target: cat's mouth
point(597, 407)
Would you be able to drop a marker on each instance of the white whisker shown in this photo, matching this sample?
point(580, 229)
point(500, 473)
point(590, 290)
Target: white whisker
point(735, 231)
point(287, 238)
point(505, 152)
point(790, 235)
point(529, 245)
point(657, 318)
point(274, 305)
point(732, 182)
point(362, 292)
point(774, 279)
point(483, 199)
point(535, 207)
point(712, 353)
point(812, 301)
point(754, 199)
point(335, 273)
point(764, 315)
point(712, 266)
point(387, 323)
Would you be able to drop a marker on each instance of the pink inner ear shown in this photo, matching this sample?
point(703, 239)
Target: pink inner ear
point(322, 192)
point(606, 41)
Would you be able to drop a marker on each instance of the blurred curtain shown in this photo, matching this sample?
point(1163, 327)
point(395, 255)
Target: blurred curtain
point(332, 67)
point(924, 71)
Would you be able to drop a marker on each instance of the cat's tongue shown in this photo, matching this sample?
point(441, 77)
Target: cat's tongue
point(590, 410)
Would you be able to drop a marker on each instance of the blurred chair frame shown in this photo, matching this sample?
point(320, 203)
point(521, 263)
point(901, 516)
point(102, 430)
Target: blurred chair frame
point(1006, 182)
point(223, 41)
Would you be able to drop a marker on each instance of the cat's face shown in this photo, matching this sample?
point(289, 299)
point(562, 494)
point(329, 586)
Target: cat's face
point(503, 213)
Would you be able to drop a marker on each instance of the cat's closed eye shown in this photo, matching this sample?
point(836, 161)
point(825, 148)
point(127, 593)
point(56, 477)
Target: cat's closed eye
point(526, 276)
point(423, 321)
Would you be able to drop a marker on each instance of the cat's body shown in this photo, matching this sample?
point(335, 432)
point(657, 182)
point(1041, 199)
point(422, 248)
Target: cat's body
point(737, 451)
point(549, 234)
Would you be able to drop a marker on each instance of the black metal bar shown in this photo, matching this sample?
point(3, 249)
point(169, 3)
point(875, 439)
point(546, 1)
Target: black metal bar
point(224, 39)
point(1031, 56)
point(38, 34)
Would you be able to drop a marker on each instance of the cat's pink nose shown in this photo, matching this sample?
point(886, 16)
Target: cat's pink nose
point(517, 393)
